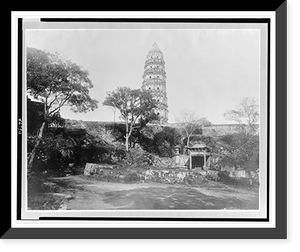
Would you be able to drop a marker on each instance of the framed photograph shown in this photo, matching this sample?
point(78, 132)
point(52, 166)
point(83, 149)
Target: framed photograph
point(149, 125)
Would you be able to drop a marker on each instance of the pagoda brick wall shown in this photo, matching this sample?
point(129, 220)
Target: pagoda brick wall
point(154, 80)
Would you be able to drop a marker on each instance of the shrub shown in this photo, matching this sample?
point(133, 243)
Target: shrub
point(224, 176)
point(61, 146)
point(160, 141)
point(131, 177)
point(241, 150)
point(213, 176)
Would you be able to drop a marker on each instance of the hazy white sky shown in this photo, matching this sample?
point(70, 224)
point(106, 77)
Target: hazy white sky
point(208, 70)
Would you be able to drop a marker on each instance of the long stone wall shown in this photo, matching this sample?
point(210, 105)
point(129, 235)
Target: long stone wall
point(224, 129)
point(112, 173)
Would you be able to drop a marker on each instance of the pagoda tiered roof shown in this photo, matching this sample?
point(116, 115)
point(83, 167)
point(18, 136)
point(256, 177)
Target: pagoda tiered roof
point(154, 71)
point(154, 62)
point(154, 79)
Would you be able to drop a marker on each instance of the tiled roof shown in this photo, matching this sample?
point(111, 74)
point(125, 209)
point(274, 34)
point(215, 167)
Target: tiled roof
point(198, 145)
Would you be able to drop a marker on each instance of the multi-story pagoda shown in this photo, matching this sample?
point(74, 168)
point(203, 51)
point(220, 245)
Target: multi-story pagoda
point(154, 80)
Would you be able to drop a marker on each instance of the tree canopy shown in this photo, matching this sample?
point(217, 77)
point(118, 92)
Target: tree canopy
point(137, 108)
point(190, 122)
point(243, 148)
point(56, 82)
point(245, 113)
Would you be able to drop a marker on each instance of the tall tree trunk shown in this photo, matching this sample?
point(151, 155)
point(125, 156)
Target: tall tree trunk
point(127, 142)
point(188, 141)
point(33, 152)
point(128, 134)
point(127, 137)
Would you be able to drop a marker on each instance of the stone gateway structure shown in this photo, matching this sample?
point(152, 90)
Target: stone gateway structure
point(199, 155)
point(154, 80)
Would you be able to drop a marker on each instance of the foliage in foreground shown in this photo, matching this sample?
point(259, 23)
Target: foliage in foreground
point(56, 82)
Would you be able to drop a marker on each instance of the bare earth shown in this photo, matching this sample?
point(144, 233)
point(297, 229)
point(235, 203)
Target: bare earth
point(84, 194)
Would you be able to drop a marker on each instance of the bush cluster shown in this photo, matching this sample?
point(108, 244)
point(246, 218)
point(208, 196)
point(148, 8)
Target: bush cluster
point(78, 143)
point(62, 146)
point(154, 139)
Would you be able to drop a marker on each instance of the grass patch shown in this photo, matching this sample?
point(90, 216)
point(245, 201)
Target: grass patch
point(38, 197)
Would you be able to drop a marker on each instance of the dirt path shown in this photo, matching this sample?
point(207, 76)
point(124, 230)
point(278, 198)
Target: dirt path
point(84, 194)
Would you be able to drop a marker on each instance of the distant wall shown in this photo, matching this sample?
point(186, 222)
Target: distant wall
point(220, 129)
point(217, 129)
point(224, 129)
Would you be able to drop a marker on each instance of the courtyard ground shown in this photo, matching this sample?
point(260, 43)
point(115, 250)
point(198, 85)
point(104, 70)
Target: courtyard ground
point(76, 192)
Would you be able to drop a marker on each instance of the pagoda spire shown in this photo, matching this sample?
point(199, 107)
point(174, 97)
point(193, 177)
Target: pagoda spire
point(154, 47)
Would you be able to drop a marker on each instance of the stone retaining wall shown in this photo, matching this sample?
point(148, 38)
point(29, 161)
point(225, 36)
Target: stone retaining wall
point(113, 173)
point(173, 176)
point(91, 169)
point(169, 176)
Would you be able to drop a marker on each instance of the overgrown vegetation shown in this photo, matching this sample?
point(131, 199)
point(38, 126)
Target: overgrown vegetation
point(78, 143)
point(241, 151)
point(57, 144)
point(56, 82)
point(137, 108)
point(75, 143)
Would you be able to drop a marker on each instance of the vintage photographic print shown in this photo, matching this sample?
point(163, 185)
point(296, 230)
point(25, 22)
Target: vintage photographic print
point(145, 119)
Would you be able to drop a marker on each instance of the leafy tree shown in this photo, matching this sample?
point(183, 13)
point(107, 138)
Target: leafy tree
point(166, 140)
point(190, 122)
point(241, 150)
point(56, 82)
point(160, 141)
point(137, 108)
point(245, 114)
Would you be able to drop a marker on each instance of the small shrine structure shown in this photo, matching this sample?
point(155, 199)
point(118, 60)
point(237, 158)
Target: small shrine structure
point(199, 155)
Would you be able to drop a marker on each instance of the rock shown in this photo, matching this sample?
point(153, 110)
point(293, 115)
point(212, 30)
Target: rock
point(63, 206)
point(91, 168)
point(49, 187)
point(203, 173)
point(132, 177)
point(181, 175)
point(62, 195)
point(173, 177)
point(168, 181)
point(68, 171)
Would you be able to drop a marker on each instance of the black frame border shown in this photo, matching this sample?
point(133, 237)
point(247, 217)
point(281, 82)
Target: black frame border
point(162, 20)
point(279, 232)
point(181, 20)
